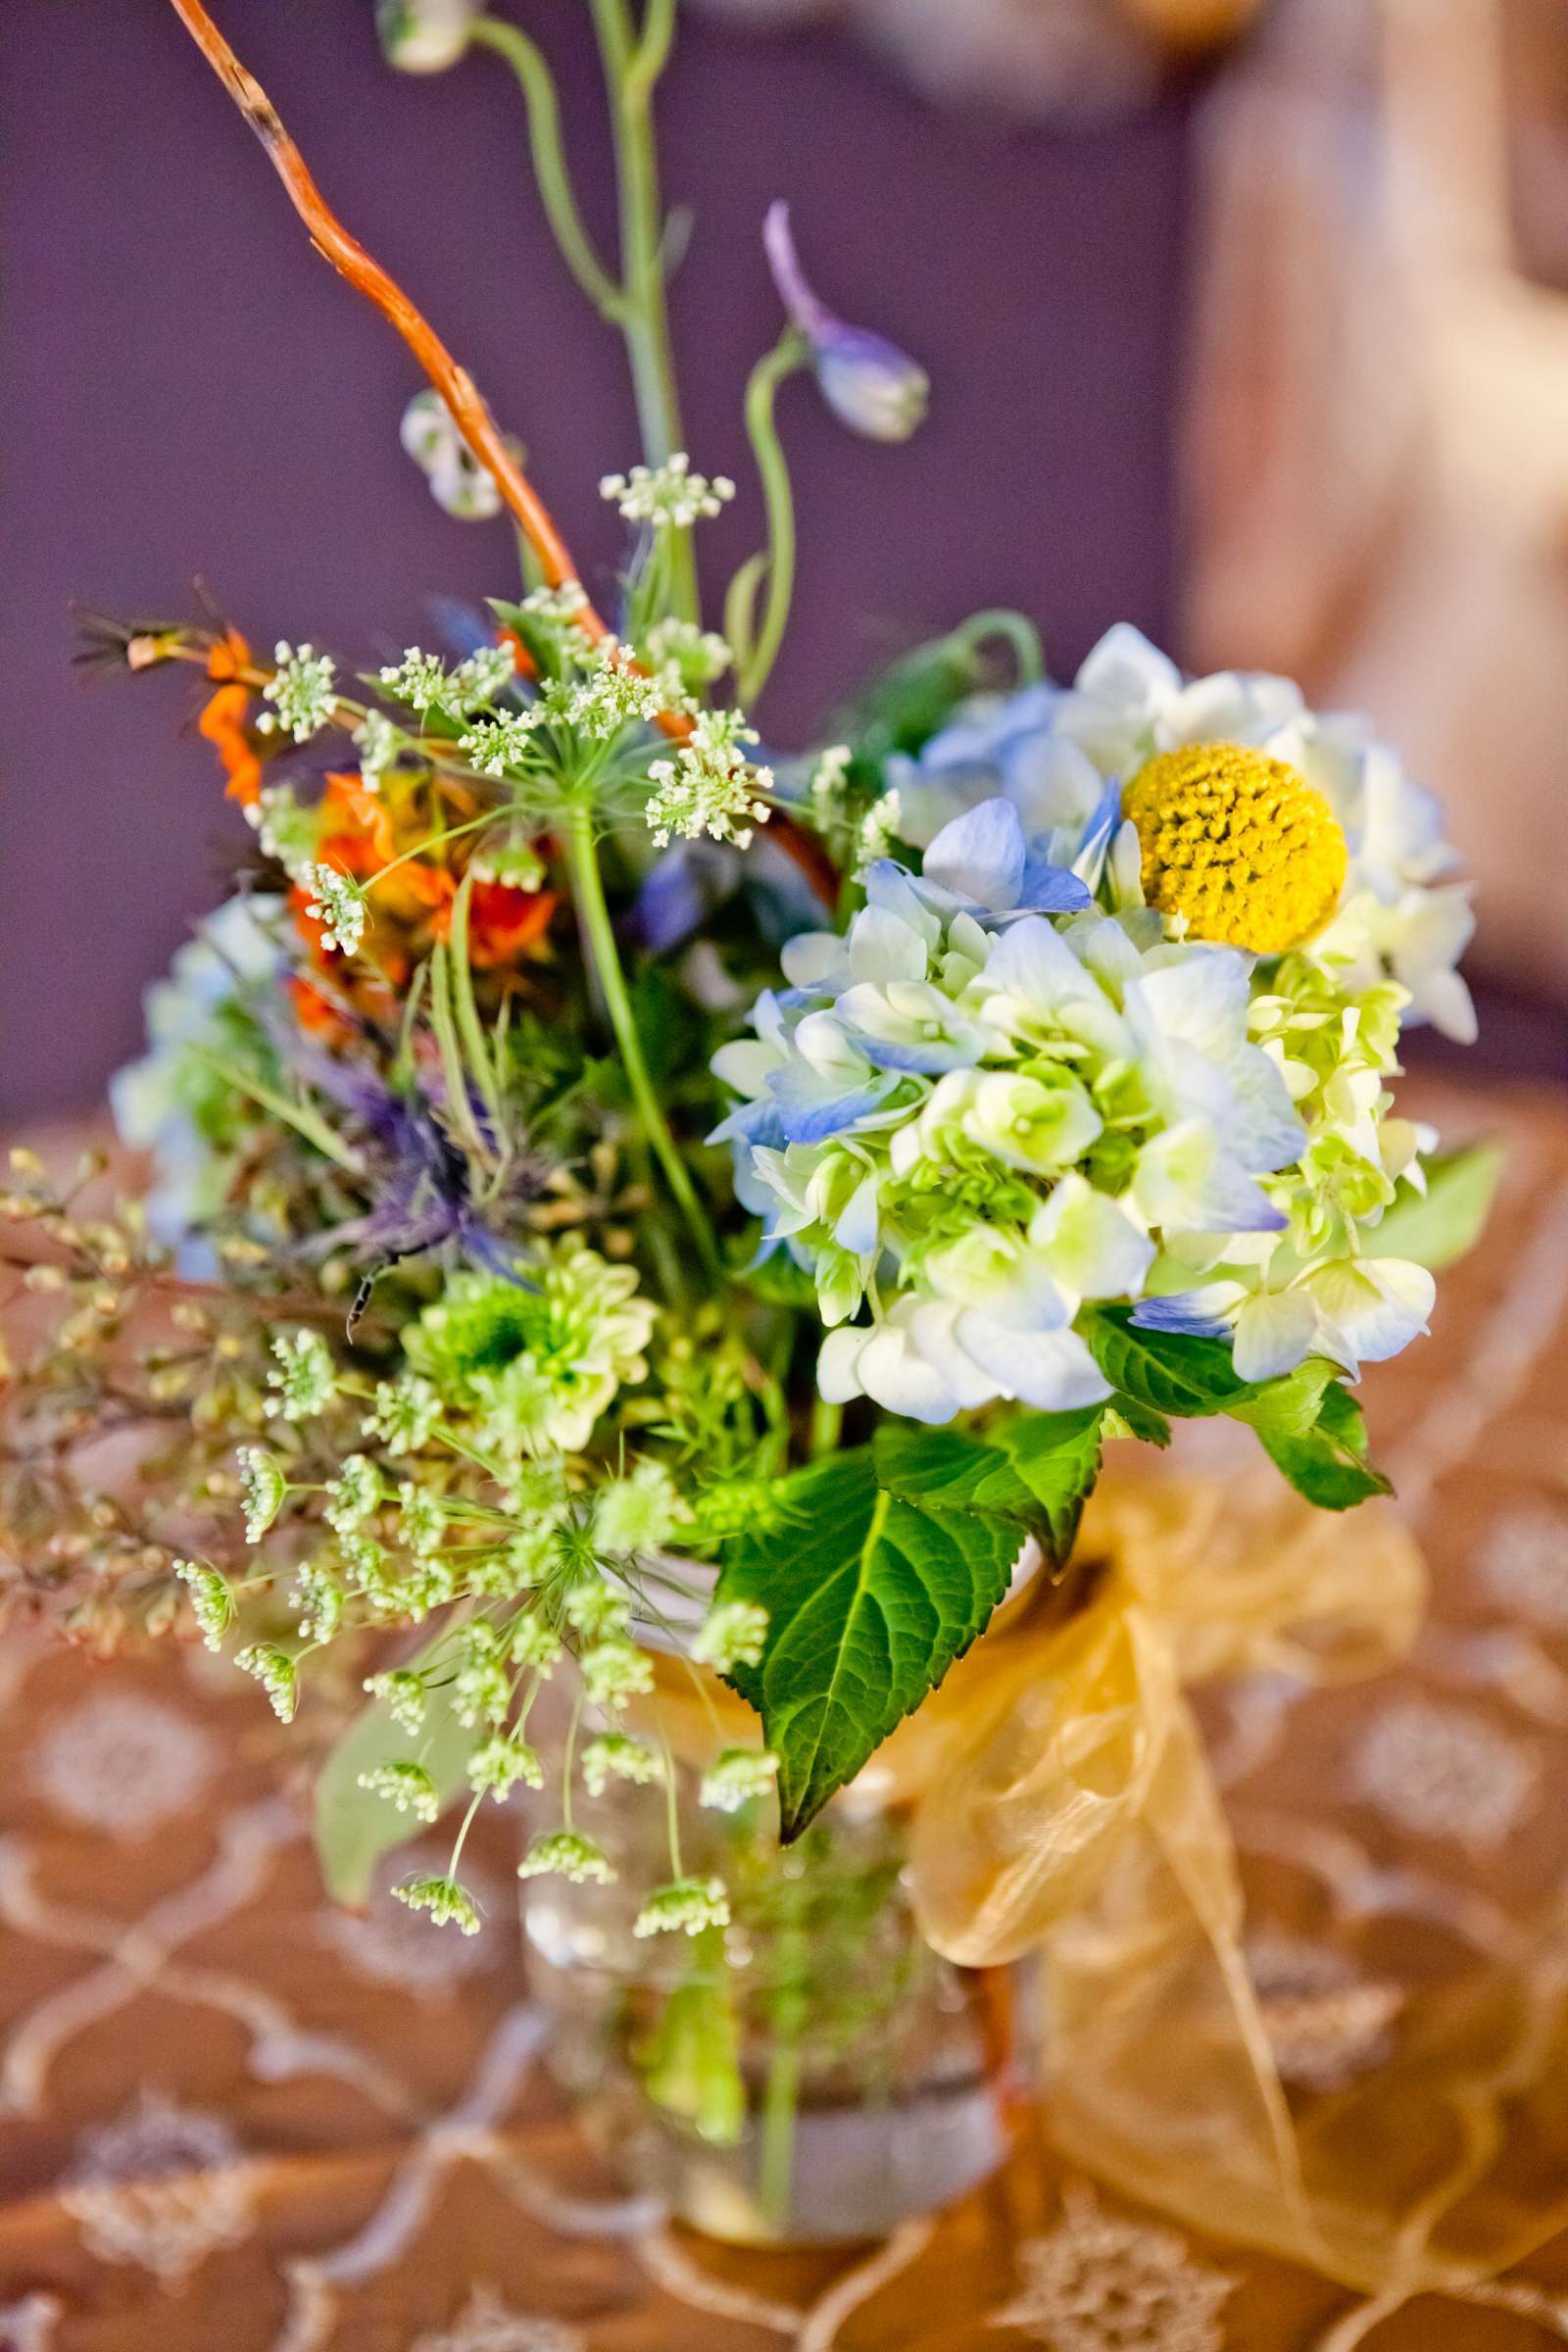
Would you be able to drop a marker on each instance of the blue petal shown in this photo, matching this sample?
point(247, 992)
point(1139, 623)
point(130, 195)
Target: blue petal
point(1052, 890)
point(1175, 1313)
point(980, 856)
point(809, 1116)
point(927, 1058)
point(755, 1123)
point(1103, 823)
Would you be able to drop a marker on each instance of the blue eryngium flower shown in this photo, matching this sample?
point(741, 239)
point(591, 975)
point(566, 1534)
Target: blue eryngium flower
point(868, 382)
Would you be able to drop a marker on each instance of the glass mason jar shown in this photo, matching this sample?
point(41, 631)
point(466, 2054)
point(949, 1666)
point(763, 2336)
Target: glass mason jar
point(812, 2072)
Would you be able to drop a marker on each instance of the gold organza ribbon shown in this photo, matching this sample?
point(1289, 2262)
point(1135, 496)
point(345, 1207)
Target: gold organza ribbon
point(1061, 1807)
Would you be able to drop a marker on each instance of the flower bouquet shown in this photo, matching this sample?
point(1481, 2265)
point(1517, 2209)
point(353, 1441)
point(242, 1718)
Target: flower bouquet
point(650, 1245)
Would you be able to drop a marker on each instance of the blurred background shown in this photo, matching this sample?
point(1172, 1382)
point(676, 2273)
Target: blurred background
point(1247, 323)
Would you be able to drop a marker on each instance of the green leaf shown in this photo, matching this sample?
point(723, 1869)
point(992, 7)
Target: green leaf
point(1327, 1462)
point(354, 1829)
point(1036, 1470)
point(869, 1600)
point(1138, 1421)
point(1287, 1405)
point(1442, 1226)
point(1169, 1371)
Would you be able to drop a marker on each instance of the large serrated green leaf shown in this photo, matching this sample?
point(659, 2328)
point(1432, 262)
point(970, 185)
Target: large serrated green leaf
point(1327, 1462)
point(1171, 1372)
point(1037, 1470)
point(869, 1600)
point(352, 1827)
point(1441, 1225)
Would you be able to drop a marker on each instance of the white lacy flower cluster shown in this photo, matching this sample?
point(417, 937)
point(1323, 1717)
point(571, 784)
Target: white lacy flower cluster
point(1013, 1088)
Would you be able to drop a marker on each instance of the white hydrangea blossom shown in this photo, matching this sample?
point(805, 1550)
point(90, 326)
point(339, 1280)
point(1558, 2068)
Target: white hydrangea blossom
point(1012, 1089)
point(671, 495)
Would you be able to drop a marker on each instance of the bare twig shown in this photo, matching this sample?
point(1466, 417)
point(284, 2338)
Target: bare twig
point(470, 412)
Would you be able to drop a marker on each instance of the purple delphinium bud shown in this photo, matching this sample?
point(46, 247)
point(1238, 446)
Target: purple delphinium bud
point(869, 383)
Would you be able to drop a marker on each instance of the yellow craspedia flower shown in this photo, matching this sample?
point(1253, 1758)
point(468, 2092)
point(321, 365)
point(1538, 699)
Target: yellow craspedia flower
point(1237, 842)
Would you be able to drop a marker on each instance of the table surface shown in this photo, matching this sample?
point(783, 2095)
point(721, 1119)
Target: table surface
point(234, 2118)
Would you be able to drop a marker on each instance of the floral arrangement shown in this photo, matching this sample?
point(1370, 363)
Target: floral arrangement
point(625, 1203)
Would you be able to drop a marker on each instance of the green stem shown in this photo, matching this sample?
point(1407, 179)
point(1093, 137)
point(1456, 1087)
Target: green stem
point(827, 1423)
point(527, 62)
point(632, 64)
point(781, 2092)
point(599, 931)
point(1018, 630)
point(788, 354)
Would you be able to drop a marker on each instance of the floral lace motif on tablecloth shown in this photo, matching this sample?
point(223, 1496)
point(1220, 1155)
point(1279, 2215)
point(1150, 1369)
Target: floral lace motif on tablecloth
point(1326, 2023)
point(123, 1764)
point(486, 2325)
point(1524, 1565)
point(162, 2186)
point(1439, 1770)
point(1099, 2283)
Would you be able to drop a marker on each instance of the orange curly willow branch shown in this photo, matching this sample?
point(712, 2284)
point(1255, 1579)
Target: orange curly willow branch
point(349, 258)
point(457, 388)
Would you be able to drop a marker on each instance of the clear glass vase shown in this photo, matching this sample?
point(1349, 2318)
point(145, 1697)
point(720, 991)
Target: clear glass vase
point(815, 2073)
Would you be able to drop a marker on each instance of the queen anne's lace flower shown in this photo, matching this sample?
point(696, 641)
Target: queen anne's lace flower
point(615, 1756)
point(336, 903)
point(736, 1776)
point(685, 1907)
point(264, 1487)
point(449, 1903)
point(212, 1603)
point(301, 691)
point(567, 1854)
point(406, 1786)
point(711, 786)
point(668, 495)
point(731, 1634)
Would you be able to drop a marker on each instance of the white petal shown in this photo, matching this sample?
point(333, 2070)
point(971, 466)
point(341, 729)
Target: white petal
point(896, 1376)
point(1091, 1247)
point(838, 1365)
point(1052, 1370)
point(1274, 1331)
point(1368, 1311)
point(882, 948)
point(1124, 667)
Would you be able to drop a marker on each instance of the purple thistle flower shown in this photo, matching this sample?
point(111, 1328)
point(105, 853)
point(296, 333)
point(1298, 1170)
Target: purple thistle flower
point(876, 389)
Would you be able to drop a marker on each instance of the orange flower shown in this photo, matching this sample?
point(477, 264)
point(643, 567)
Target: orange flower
point(228, 658)
point(356, 834)
point(318, 1015)
point(505, 923)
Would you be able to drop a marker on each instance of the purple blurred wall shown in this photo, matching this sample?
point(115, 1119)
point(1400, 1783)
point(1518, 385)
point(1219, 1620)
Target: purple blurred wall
point(188, 391)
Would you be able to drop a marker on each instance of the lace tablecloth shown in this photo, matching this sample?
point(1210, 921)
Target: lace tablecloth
point(232, 2120)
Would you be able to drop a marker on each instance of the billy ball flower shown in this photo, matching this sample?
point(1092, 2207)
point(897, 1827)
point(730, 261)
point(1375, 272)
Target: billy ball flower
point(872, 386)
point(1237, 843)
